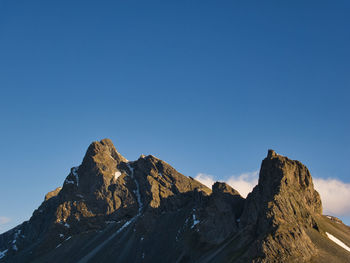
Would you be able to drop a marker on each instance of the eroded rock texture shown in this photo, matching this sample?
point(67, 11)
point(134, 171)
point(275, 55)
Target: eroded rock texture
point(110, 209)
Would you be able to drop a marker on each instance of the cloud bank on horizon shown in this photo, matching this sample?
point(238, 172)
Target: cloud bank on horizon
point(3, 221)
point(335, 194)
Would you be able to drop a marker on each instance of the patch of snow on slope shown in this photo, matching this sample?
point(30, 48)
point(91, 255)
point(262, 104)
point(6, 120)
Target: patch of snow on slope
point(137, 191)
point(195, 221)
point(14, 246)
point(69, 182)
point(124, 226)
point(3, 253)
point(338, 242)
point(76, 176)
point(75, 173)
point(117, 174)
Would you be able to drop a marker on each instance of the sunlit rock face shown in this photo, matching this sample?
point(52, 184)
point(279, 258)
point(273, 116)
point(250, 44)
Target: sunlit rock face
point(280, 208)
point(110, 209)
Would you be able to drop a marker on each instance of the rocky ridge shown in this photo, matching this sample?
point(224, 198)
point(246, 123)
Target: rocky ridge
point(111, 209)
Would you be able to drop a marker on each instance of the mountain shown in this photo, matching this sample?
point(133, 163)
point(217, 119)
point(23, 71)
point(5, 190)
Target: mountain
point(110, 209)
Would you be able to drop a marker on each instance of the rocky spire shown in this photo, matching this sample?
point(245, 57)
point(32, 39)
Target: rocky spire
point(110, 209)
point(99, 166)
point(280, 208)
point(97, 152)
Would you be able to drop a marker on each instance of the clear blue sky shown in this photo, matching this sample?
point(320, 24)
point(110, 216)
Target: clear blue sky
point(208, 86)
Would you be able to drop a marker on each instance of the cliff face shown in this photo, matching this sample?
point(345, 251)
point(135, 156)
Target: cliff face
point(111, 209)
point(279, 210)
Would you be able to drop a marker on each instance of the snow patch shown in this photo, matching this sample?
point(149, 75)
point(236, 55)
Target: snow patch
point(195, 220)
point(17, 233)
point(117, 174)
point(3, 253)
point(61, 235)
point(137, 191)
point(68, 238)
point(76, 177)
point(15, 236)
point(124, 226)
point(75, 173)
point(67, 225)
point(69, 182)
point(338, 242)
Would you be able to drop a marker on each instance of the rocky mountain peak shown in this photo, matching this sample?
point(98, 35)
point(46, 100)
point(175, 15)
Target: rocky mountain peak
point(282, 176)
point(98, 170)
point(160, 183)
point(110, 209)
point(221, 187)
point(283, 204)
point(98, 152)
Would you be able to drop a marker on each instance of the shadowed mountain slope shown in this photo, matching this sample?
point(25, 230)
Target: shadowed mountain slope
point(110, 209)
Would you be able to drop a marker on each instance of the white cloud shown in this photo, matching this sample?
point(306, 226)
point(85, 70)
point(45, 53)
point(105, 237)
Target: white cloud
point(206, 179)
point(243, 183)
point(4, 220)
point(335, 196)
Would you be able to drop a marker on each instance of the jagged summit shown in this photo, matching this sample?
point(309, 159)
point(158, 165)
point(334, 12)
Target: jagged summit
point(110, 209)
point(101, 156)
point(283, 201)
point(222, 187)
point(271, 153)
point(102, 147)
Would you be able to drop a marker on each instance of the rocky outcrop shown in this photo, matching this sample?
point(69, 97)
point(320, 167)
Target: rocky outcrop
point(280, 209)
point(162, 186)
point(52, 193)
point(110, 209)
point(219, 214)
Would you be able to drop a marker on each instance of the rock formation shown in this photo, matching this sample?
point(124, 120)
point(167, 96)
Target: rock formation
point(110, 209)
